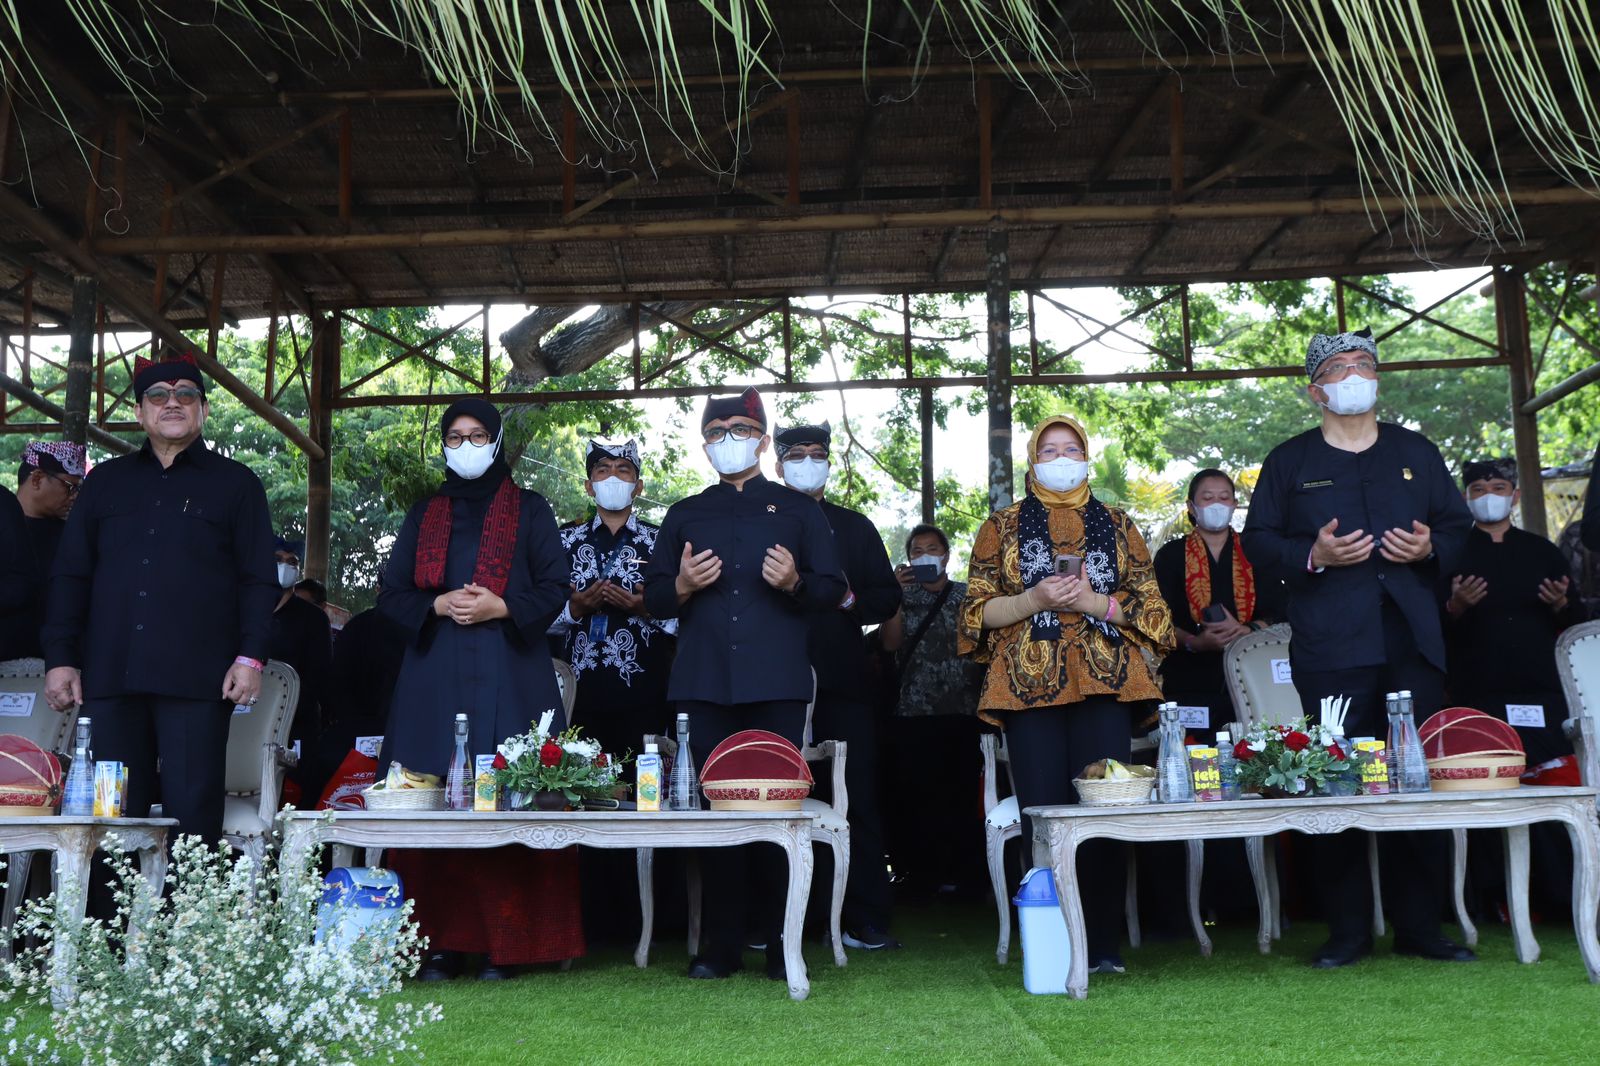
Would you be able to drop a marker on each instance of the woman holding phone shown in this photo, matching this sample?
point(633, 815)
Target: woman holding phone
point(1065, 676)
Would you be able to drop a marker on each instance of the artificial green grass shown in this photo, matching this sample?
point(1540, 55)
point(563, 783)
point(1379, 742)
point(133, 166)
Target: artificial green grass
point(943, 999)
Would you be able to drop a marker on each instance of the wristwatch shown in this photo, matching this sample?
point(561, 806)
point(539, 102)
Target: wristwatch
point(799, 583)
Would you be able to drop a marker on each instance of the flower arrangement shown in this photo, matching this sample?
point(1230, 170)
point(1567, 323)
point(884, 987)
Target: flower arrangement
point(225, 968)
point(566, 762)
point(1294, 759)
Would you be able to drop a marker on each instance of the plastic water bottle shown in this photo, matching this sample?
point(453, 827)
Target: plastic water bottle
point(1172, 769)
point(1227, 765)
point(683, 787)
point(1410, 767)
point(77, 795)
point(458, 779)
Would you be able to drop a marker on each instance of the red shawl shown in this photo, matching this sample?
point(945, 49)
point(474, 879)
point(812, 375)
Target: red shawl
point(1197, 577)
point(495, 545)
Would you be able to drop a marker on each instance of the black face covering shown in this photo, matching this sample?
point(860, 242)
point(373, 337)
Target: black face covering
point(482, 487)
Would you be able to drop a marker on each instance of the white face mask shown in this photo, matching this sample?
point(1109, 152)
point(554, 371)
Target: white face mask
point(729, 456)
point(288, 574)
point(807, 475)
point(1352, 396)
point(927, 560)
point(613, 493)
point(471, 460)
point(1490, 508)
point(1215, 517)
point(1061, 475)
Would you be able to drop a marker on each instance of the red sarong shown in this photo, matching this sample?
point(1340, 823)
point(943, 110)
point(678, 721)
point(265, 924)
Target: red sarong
point(514, 904)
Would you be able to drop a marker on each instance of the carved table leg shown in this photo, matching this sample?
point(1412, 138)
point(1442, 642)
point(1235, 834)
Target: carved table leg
point(298, 840)
point(1196, 854)
point(1255, 852)
point(1585, 833)
point(1063, 868)
point(797, 843)
point(644, 861)
point(343, 854)
point(1516, 848)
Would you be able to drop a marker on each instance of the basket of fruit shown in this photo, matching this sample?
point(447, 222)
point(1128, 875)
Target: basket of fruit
point(1107, 782)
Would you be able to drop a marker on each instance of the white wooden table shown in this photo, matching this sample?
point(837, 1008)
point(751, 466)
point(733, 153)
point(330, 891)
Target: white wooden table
point(790, 830)
point(1064, 828)
point(72, 840)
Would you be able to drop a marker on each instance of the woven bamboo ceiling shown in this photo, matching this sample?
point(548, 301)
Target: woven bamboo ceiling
point(352, 180)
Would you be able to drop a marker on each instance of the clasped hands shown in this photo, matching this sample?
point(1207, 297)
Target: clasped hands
point(1397, 545)
point(469, 605)
point(607, 593)
point(698, 570)
point(1059, 592)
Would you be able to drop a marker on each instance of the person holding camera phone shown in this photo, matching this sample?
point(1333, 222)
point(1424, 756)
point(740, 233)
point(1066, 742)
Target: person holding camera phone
point(1066, 679)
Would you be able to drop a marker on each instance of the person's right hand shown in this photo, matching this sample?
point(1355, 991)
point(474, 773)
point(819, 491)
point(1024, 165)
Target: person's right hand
point(1465, 592)
point(1332, 550)
point(905, 576)
point(63, 688)
point(1054, 593)
point(695, 572)
point(587, 602)
point(1207, 639)
point(445, 602)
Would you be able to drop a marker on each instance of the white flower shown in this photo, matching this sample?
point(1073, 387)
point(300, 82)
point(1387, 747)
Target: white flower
point(1256, 745)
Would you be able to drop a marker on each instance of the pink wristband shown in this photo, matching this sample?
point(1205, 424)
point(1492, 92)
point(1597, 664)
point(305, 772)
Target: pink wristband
point(255, 664)
point(1111, 608)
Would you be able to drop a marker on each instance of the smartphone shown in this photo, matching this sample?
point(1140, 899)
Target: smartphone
point(1069, 565)
point(1214, 613)
point(926, 573)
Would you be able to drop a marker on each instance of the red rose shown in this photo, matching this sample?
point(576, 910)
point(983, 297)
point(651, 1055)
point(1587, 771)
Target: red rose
point(1243, 752)
point(602, 759)
point(550, 754)
point(1336, 752)
point(500, 761)
point(1296, 741)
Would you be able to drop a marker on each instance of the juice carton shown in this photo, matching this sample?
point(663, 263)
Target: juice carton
point(648, 770)
point(108, 776)
point(485, 789)
point(1374, 763)
point(1206, 771)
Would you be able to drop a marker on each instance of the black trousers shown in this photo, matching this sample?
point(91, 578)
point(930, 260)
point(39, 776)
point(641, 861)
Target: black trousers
point(189, 740)
point(935, 755)
point(742, 887)
point(848, 717)
point(1048, 746)
point(1413, 864)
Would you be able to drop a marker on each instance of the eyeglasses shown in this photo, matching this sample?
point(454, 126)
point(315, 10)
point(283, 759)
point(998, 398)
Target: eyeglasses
point(1339, 371)
point(478, 437)
point(159, 395)
point(1050, 451)
point(70, 486)
point(738, 431)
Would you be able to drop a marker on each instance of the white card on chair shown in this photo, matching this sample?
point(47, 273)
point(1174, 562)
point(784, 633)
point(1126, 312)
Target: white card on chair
point(17, 704)
point(1280, 672)
point(1194, 717)
point(1530, 715)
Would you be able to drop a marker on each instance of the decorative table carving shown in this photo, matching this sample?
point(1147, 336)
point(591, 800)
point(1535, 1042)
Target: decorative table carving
point(1064, 828)
point(790, 830)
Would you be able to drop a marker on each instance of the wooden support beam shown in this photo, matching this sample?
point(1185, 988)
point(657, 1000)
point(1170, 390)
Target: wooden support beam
point(997, 380)
point(925, 424)
point(346, 166)
point(214, 318)
point(91, 199)
point(1511, 314)
point(1175, 140)
point(118, 292)
point(239, 165)
point(985, 144)
point(55, 411)
point(325, 357)
point(80, 361)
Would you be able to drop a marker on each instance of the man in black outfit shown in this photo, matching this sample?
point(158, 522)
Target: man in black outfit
point(160, 609)
point(47, 484)
point(741, 565)
point(302, 637)
point(1360, 518)
point(839, 655)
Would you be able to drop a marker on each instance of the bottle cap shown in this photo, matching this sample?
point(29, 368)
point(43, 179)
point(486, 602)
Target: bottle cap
point(1405, 694)
point(683, 716)
point(84, 720)
point(1223, 734)
point(651, 748)
point(1390, 697)
point(461, 718)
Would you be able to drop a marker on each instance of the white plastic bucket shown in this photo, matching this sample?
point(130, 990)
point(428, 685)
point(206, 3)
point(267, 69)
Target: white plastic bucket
point(1046, 952)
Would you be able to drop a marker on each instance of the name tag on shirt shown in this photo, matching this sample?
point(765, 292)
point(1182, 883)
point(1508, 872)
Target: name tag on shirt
point(1194, 717)
point(1280, 672)
point(17, 704)
point(1530, 715)
point(1316, 484)
point(369, 746)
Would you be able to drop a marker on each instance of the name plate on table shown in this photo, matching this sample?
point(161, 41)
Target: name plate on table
point(1528, 715)
point(1194, 717)
point(17, 704)
point(1281, 674)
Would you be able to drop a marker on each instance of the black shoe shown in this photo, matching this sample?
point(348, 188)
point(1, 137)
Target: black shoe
point(490, 972)
point(705, 968)
point(776, 970)
point(1332, 955)
point(870, 938)
point(1109, 964)
point(440, 966)
point(1437, 948)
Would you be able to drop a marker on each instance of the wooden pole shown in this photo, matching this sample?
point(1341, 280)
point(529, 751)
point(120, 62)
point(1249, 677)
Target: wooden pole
point(997, 383)
point(325, 355)
point(1175, 147)
point(80, 360)
point(831, 222)
point(1512, 313)
point(925, 401)
point(985, 144)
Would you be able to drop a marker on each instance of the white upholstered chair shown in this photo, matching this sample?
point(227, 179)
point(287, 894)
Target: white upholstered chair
point(1578, 663)
point(23, 681)
point(258, 755)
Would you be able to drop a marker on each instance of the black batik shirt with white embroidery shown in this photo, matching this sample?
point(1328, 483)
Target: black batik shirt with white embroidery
point(630, 644)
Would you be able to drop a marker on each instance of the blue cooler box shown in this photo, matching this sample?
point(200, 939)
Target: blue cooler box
point(1046, 952)
point(356, 902)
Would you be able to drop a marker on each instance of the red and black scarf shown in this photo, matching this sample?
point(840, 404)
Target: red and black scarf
point(1197, 577)
point(496, 544)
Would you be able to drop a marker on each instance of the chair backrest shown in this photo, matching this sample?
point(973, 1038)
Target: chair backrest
point(23, 710)
point(567, 685)
point(1578, 663)
point(806, 739)
point(1257, 670)
point(268, 722)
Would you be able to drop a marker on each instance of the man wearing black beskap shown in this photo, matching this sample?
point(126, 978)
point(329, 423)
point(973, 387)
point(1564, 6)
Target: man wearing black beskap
point(839, 655)
point(160, 608)
point(741, 565)
point(1360, 518)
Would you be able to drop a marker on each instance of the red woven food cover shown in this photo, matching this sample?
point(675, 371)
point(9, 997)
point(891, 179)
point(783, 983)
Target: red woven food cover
point(27, 768)
point(755, 754)
point(1465, 731)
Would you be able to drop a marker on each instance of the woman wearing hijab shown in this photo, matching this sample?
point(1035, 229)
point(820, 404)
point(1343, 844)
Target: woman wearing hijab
point(1065, 679)
point(476, 576)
